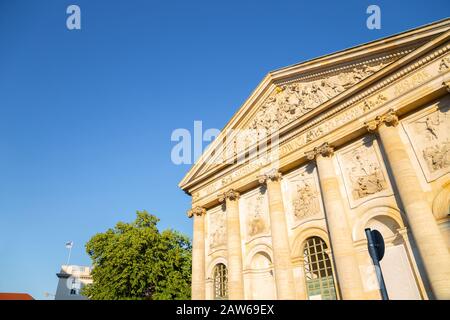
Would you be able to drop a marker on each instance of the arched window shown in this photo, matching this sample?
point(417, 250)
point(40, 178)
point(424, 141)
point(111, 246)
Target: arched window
point(220, 282)
point(318, 270)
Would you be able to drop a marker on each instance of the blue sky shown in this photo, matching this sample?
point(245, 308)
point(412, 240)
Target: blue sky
point(86, 116)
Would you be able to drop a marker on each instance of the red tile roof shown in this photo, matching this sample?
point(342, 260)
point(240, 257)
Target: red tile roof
point(15, 296)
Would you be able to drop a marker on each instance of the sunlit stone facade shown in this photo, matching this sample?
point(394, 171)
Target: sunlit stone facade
point(363, 141)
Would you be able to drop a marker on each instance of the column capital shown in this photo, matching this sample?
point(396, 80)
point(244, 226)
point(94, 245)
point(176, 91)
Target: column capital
point(198, 211)
point(325, 150)
point(389, 118)
point(273, 175)
point(230, 195)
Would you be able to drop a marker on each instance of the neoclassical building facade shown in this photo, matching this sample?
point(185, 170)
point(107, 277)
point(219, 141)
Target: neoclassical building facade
point(352, 140)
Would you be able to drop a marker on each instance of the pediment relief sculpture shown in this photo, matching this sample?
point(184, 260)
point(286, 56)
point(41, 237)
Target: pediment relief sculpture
point(289, 102)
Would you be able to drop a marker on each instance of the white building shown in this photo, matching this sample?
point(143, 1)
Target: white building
point(71, 280)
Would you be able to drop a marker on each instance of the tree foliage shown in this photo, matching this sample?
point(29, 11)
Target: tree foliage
point(137, 261)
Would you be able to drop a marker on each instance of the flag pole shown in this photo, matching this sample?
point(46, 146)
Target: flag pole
point(70, 251)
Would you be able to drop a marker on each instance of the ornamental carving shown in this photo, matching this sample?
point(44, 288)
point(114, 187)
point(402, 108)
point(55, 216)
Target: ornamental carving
point(272, 175)
point(256, 215)
point(445, 64)
point(230, 195)
point(390, 118)
point(306, 200)
point(198, 211)
point(217, 227)
point(429, 134)
point(374, 103)
point(364, 172)
point(325, 150)
point(434, 129)
point(291, 101)
point(437, 156)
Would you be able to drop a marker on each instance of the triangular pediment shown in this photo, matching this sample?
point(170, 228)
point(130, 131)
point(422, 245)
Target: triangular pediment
point(293, 99)
point(292, 93)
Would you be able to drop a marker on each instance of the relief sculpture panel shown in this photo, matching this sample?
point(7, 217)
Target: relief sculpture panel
point(217, 227)
point(290, 101)
point(304, 196)
point(429, 133)
point(255, 208)
point(364, 174)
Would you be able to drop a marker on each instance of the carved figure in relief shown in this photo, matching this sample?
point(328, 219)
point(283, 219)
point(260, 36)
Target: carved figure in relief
point(437, 156)
point(256, 223)
point(218, 234)
point(431, 126)
point(306, 201)
point(330, 88)
point(291, 101)
point(365, 175)
point(445, 64)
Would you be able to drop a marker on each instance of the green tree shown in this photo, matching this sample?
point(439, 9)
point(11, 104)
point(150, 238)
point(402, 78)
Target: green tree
point(136, 261)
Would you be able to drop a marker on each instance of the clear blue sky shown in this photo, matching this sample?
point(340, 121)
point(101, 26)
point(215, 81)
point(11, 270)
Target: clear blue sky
point(86, 116)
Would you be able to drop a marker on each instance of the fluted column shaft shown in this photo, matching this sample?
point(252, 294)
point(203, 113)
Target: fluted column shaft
point(429, 239)
point(280, 241)
point(235, 277)
point(347, 268)
point(198, 254)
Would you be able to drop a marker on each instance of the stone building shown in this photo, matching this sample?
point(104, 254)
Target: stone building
point(71, 279)
point(320, 151)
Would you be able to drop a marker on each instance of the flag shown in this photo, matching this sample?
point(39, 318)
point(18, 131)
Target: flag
point(69, 245)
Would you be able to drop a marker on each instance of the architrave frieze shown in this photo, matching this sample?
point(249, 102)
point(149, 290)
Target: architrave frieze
point(357, 109)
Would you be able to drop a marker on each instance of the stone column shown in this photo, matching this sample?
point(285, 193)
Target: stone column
point(429, 240)
point(198, 253)
point(280, 241)
point(347, 269)
point(235, 277)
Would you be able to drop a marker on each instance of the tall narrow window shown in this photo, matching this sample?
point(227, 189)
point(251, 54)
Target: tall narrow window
point(220, 282)
point(318, 270)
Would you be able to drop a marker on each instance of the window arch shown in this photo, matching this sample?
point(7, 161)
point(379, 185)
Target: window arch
point(318, 270)
point(220, 282)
